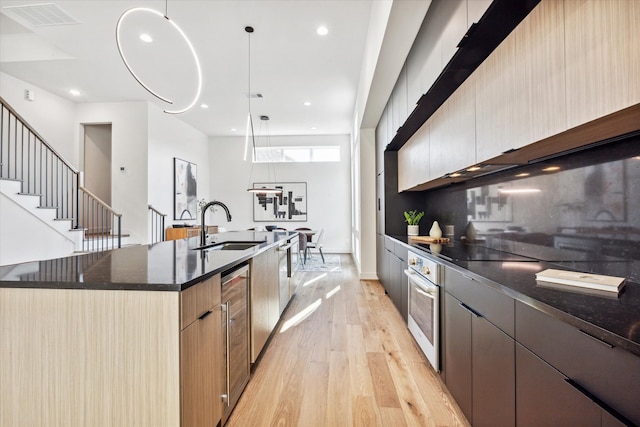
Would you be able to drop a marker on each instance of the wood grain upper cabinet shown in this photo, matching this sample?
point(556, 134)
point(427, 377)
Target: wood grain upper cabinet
point(540, 55)
point(413, 160)
point(265, 299)
point(452, 134)
point(500, 107)
point(602, 57)
point(200, 354)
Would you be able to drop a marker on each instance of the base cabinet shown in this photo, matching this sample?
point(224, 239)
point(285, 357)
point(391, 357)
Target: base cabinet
point(479, 363)
point(265, 299)
point(545, 397)
point(201, 376)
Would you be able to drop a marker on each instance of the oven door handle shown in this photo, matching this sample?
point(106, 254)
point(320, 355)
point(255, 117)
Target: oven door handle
point(421, 283)
point(426, 294)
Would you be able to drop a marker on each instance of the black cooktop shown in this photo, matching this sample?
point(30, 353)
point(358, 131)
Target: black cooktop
point(463, 252)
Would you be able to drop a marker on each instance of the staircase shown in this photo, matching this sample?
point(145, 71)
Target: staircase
point(38, 187)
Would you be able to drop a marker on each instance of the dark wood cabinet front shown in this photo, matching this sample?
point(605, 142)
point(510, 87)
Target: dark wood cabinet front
point(545, 398)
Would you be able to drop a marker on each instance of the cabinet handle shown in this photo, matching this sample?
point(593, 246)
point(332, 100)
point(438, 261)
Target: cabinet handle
point(603, 406)
point(596, 339)
point(225, 397)
point(470, 310)
point(204, 315)
point(467, 277)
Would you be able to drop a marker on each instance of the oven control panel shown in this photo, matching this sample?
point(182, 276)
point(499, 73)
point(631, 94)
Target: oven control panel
point(424, 266)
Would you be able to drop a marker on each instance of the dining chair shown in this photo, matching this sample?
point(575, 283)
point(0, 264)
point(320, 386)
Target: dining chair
point(317, 244)
point(305, 229)
point(302, 248)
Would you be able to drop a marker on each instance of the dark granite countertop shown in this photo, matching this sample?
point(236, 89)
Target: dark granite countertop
point(166, 266)
point(614, 319)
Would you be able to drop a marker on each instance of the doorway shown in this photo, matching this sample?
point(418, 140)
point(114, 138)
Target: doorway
point(96, 165)
point(97, 161)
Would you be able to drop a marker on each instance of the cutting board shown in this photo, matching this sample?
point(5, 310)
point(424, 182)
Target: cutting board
point(429, 239)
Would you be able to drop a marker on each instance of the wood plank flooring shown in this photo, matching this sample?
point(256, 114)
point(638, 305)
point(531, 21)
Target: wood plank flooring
point(342, 356)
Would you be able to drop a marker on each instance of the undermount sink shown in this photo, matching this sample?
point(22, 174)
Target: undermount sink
point(229, 246)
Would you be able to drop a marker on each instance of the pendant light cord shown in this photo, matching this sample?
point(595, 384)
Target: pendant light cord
point(166, 9)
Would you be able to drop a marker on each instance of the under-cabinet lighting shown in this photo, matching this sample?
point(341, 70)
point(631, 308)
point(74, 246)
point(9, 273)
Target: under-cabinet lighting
point(519, 190)
point(522, 175)
point(455, 175)
point(474, 168)
point(551, 169)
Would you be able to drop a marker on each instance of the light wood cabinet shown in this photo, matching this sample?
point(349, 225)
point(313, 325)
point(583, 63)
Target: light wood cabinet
point(602, 57)
point(178, 233)
point(413, 160)
point(501, 113)
point(540, 51)
point(265, 299)
point(452, 132)
point(201, 354)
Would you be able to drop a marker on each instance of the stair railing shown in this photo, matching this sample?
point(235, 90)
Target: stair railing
point(102, 225)
point(26, 157)
point(157, 225)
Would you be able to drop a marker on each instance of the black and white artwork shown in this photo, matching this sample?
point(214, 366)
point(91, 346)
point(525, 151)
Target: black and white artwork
point(488, 203)
point(185, 199)
point(290, 205)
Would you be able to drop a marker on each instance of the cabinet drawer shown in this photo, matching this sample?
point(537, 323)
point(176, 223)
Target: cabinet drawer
point(400, 250)
point(198, 299)
point(388, 243)
point(494, 306)
point(609, 373)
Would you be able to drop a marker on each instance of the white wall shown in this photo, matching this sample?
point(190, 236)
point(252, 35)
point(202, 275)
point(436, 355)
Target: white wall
point(169, 137)
point(32, 240)
point(53, 117)
point(129, 149)
point(328, 188)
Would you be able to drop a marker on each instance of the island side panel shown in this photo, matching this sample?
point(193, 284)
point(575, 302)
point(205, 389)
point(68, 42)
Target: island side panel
point(75, 357)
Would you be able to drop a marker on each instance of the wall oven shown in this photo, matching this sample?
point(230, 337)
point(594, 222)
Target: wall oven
point(424, 305)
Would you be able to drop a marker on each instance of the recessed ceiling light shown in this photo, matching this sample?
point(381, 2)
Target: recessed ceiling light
point(314, 128)
point(322, 30)
point(146, 38)
point(204, 106)
point(551, 169)
point(307, 103)
point(233, 129)
point(74, 92)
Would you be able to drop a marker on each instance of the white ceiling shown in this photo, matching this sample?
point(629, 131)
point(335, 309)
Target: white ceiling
point(290, 63)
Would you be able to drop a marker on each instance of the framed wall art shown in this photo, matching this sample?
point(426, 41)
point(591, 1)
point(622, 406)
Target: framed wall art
point(290, 205)
point(185, 186)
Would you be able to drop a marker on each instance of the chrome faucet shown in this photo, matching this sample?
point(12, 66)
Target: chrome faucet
point(203, 231)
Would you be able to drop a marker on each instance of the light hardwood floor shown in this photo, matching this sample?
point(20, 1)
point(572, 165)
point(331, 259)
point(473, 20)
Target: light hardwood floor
point(342, 356)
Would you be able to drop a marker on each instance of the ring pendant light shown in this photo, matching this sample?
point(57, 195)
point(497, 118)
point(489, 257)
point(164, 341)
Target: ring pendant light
point(138, 79)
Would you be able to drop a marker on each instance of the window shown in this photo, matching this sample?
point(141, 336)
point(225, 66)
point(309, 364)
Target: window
point(298, 154)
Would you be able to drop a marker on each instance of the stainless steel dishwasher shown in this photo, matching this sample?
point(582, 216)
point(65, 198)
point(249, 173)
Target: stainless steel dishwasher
point(235, 335)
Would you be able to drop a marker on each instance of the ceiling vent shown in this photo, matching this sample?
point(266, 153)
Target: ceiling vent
point(41, 15)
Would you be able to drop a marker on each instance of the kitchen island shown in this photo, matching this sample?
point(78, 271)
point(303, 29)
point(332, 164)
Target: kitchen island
point(97, 339)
